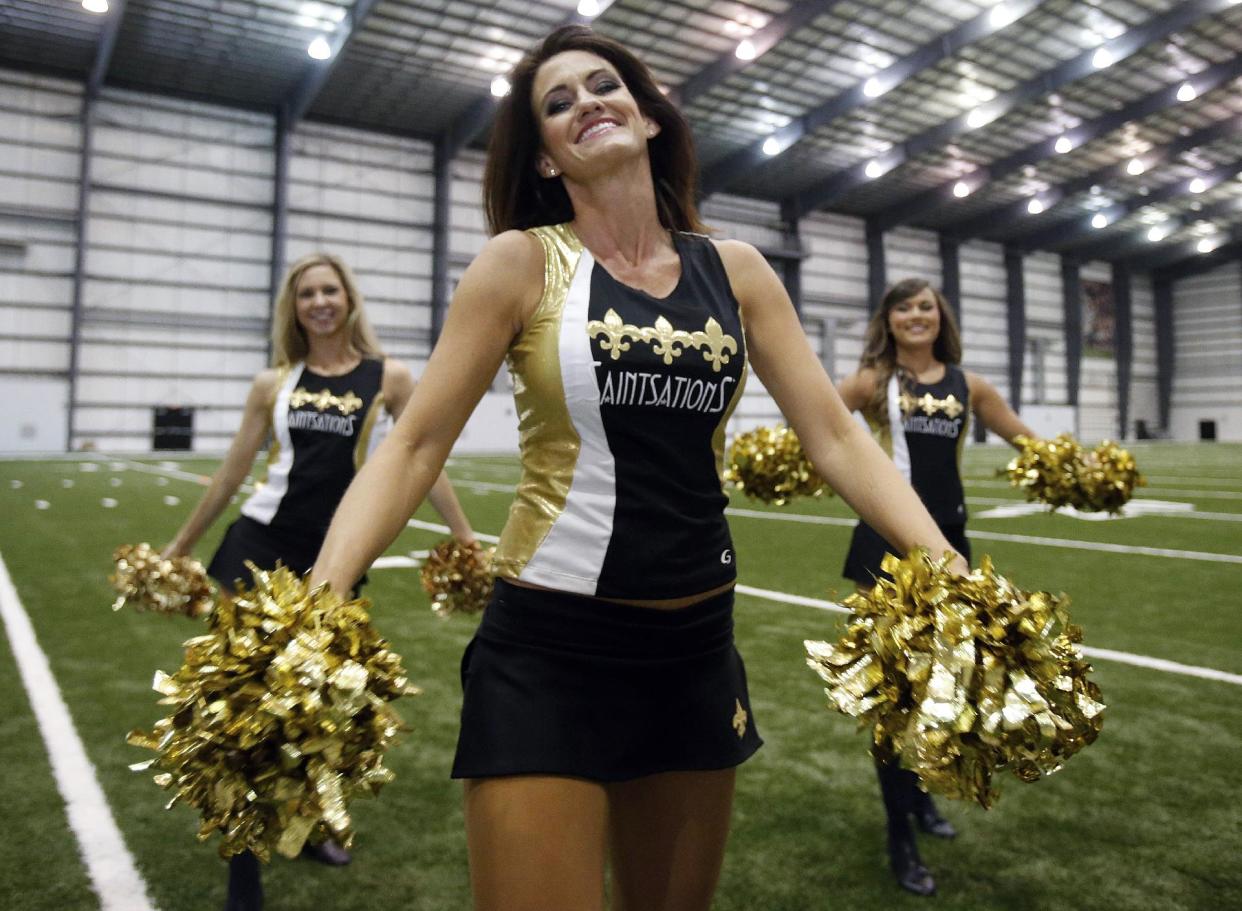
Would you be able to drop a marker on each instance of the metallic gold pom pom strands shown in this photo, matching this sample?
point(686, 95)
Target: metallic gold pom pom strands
point(962, 677)
point(1058, 472)
point(279, 717)
point(769, 464)
point(146, 581)
point(458, 579)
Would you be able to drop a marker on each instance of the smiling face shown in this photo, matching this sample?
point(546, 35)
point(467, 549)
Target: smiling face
point(321, 301)
point(588, 120)
point(915, 321)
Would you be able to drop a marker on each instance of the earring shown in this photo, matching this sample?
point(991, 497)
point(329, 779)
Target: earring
point(650, 132)
point(552, 172)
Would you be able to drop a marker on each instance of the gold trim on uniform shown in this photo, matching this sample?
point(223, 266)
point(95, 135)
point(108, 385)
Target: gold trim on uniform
point(549, 443)
point(929, 404)
point(666, 341)
point(368, 425)
point(323, 400)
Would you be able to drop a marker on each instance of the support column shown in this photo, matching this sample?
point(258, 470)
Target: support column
point(792, 268)
point(1162, 293)
point(877, 268)
point(442, 175)
point(1123, 340)
point(1015, 312)
point(280, 216)
point(1071, 301)
point(951, 273)
point(81, 240)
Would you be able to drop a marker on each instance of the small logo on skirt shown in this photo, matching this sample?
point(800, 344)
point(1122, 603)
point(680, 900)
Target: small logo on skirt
point(739, 718)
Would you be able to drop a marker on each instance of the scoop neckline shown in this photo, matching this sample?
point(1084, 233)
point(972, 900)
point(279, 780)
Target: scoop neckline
point(681, 263)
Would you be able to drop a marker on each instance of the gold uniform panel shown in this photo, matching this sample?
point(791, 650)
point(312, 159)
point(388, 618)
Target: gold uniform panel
point(547, 438)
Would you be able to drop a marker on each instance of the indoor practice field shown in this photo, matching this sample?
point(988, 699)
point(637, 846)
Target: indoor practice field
point(1146, 818)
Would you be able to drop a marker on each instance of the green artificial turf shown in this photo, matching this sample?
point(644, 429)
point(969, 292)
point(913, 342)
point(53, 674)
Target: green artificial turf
point(1145, 819)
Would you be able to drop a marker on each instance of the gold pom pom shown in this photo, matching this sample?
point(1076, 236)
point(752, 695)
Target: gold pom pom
point(146, 581)
point(961, 678)
point(1107, 477)
point(1059, 473)
point(769, 464)
point(458, 579)
point(279, 717)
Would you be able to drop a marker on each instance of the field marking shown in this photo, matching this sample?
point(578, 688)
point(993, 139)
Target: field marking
point(1068, 543)
point(1104, 654)
point(109, 864)
point(1163, 491)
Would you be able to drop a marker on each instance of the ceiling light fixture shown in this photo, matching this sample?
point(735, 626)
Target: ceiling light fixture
point(1156, 233)
point(746, 50)
point(1206, 245)
point(95, 6)
point(1001, 15)
point(771, 146)
point(1035, 205)
point(1197, 185)
point(588, 8)
point(1063, 145)
point(500, 87)
point(1186, 92)
point(873, 88)
point(977, 118)
point(961, 189)
point(1099, 220)
point(873, 169)
point(319, 49)
point(1102, 59)
point(1135, 167)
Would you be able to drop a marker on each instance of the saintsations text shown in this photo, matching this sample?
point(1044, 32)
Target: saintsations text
point(634, 387)
point(342, 425)
point(937, 427)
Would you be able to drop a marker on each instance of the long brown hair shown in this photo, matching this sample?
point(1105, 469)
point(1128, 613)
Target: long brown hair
point(880, 348)
point(289, 343)
point(515, 195)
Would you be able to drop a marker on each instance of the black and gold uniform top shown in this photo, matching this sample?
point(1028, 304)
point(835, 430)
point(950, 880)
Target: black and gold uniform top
point(924, 434)
point(622, 401)
point(323, 429)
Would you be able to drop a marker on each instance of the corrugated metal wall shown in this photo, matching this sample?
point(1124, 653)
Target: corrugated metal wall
point(1207, 351)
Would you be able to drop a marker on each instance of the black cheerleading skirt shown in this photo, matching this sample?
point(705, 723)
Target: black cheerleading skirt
point(262, 545)
point(562, 684)
point(868, 547)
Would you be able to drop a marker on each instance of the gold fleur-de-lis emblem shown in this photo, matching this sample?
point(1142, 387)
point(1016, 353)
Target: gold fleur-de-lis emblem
point(719, 345)
point(615, 332)
point(739, 718)
point(668, 342)
point(929, 404)
point(323, 400)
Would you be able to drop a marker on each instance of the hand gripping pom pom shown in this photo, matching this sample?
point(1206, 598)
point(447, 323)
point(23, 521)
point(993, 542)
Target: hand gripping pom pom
point(1059, 473)
point(962, 677)
point(278, 718)
point(146, 581)
point(769, 464)
point(458, 578)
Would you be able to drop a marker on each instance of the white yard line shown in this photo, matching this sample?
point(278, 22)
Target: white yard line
point(1104, 654)
point(1145, 491)
point(1068, 543)
point(110, 866)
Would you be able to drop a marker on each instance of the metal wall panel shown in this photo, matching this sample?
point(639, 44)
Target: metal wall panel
point(1207, 332)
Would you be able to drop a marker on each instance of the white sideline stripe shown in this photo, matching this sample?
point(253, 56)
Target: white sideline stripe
point(1146, 491)
point(109, 864)
point(1069, 543)
point(444, 529)
point(1105, 654)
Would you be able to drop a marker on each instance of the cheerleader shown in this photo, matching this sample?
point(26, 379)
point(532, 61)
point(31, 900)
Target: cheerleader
point(917, 401)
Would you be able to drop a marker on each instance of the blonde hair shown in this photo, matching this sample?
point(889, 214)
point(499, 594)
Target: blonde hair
point(289, 343)
point(880, 348)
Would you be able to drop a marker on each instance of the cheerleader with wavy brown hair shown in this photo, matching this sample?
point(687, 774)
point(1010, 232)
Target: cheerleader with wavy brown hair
point(918, 400)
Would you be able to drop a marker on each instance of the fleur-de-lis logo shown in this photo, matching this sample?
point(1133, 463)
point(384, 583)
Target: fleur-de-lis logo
point(668, 342)
point(739, 718)
point(615, 333)
point(719, 345)
point(929, 405)
point(323, 400)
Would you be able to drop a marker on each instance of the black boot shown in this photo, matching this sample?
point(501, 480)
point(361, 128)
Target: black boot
point(245, 883)
point(908, 869)
point(329, 851)
point(929, 819)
